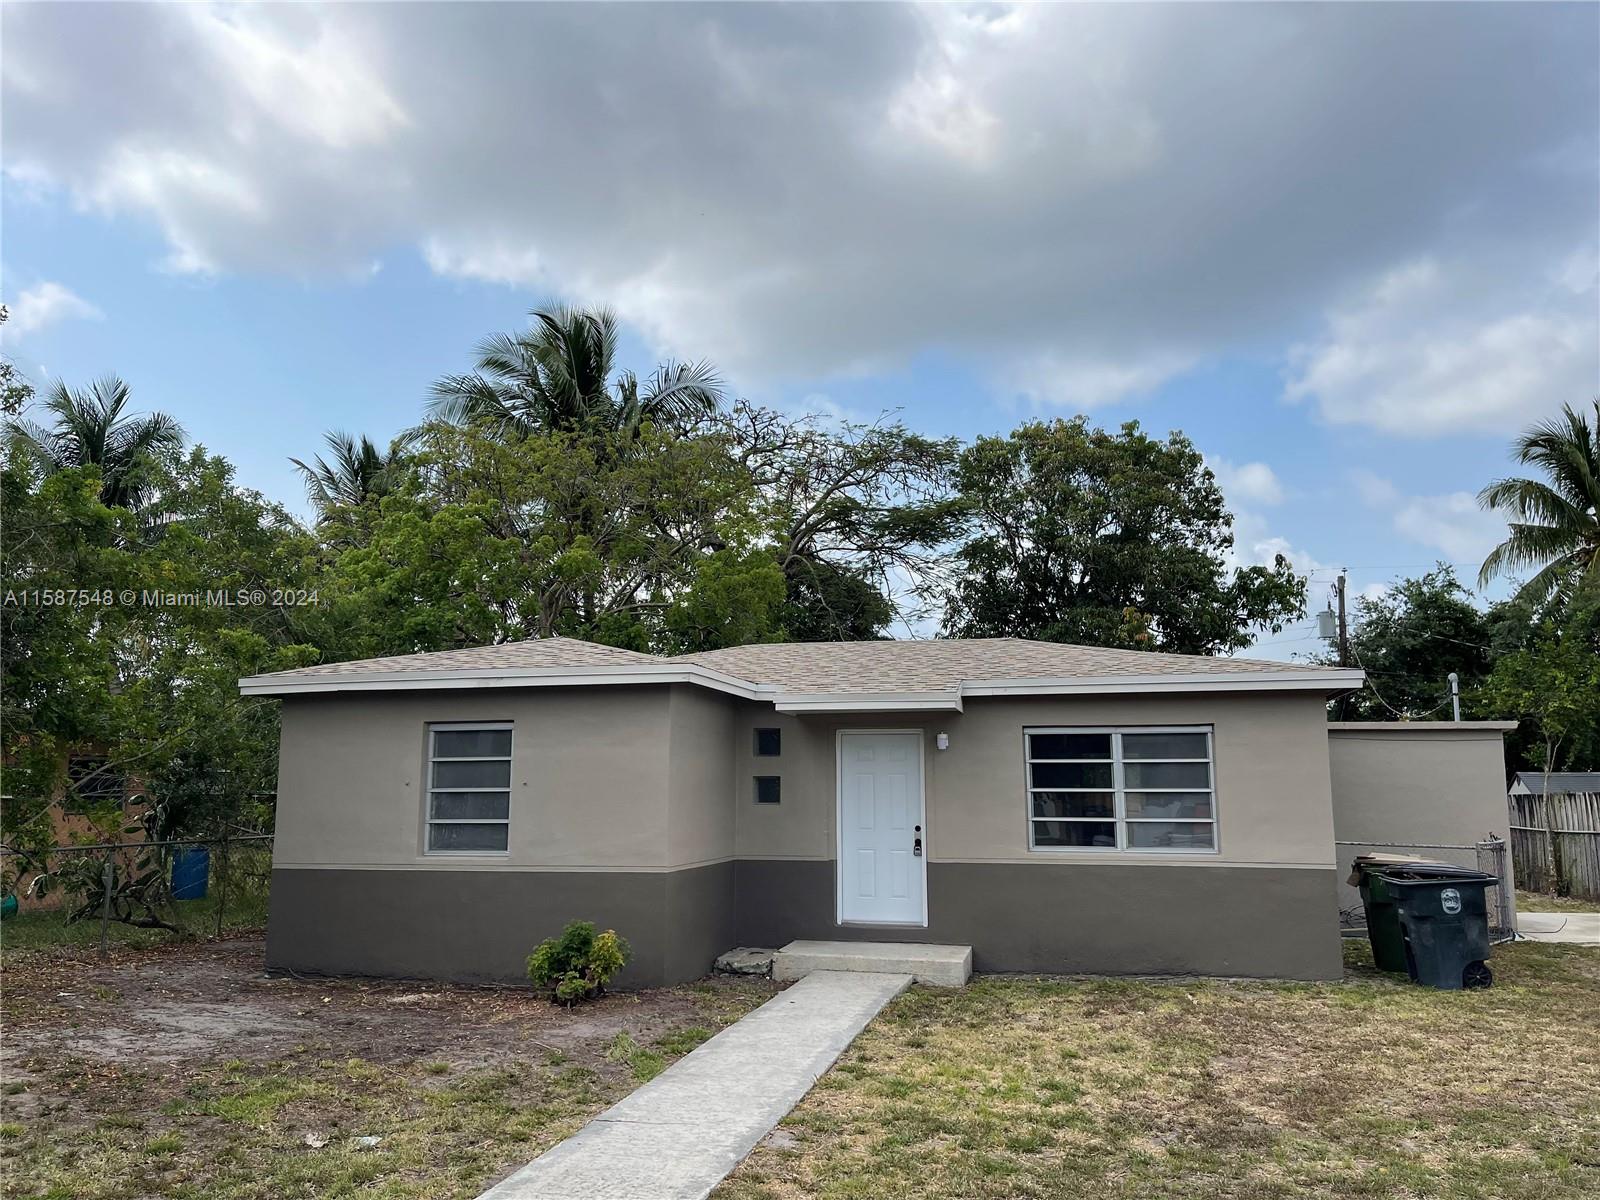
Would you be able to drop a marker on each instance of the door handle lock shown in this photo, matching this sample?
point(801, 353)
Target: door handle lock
point(916, 844)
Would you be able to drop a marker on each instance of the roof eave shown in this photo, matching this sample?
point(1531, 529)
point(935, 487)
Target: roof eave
point(286, 684)
point(862, 702)
point(1326, 682)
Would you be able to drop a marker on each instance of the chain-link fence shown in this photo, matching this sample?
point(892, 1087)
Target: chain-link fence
point(1488, 856)
point(94, 892)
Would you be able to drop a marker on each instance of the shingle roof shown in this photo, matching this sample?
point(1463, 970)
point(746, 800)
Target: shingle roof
point(944, 664)
point(530, 654)
point(1560, 781)
point(937, 671)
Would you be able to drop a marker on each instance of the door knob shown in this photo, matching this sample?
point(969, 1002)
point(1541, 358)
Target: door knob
point(916, 844)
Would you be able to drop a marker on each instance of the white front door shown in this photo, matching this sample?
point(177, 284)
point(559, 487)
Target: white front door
point(882, 863)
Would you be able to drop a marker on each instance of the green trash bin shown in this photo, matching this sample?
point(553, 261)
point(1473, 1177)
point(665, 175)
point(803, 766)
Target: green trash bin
point(1380, 902)
point(1444, 921)
point(1383, 922)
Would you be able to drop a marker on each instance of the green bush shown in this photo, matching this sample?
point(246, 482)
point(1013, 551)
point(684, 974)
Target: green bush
point(577, 965)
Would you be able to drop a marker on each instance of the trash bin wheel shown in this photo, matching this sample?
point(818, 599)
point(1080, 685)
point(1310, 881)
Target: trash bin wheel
point(1477, 975)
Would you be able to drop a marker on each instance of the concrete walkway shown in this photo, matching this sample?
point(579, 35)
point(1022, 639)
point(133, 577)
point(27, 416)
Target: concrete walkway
point(1582, 929)
point(678, 1135)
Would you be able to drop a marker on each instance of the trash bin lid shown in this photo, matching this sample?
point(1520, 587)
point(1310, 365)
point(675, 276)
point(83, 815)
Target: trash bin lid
point(1412, 877)
point(1407, 864)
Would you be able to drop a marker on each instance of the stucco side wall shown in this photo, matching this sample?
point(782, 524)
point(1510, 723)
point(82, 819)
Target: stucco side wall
point(700, 780)
point(587, 778)
point(1427, 786)
point(1271, 765)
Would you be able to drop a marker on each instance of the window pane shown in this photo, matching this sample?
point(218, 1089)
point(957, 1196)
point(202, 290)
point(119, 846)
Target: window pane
point(1166, 775)
point(1166, 835)
point(472, 774)
point(1074, 833)
point(1071, 775)
point(1069, 745)
point(1170, 804)
point(768, 789)
point(1164, 745)
point(1074, 804)
point(467, 837)
point(471, 743)
point(769, 743)
point(472, 806)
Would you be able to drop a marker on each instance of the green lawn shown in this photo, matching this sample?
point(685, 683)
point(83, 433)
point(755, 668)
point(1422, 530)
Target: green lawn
point(1107, 1089)
point(41, 929)
point(1543, 902)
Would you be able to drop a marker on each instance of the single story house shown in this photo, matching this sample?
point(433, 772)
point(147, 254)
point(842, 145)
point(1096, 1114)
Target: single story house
point(1557, 783)
point(1055, 807)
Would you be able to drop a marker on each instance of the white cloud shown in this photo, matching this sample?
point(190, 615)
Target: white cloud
point(1078, 201)
point(1452, 524)
point(1247, 483)
point(1434, 349)
point(44, 304)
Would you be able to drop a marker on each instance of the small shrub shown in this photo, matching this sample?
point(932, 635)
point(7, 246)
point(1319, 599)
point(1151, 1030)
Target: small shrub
point(577, 965)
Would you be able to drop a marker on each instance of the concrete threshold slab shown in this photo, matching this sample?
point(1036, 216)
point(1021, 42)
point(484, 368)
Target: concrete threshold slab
point(938, 966)
point(678, 1135)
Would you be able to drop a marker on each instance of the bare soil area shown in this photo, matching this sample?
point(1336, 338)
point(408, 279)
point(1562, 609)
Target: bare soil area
point(186, 1070)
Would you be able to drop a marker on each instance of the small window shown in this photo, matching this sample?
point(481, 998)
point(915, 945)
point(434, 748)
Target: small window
point(768, 789)
point(92, 783)
point(469, 789)
point(1120, 789)
point(769, 743)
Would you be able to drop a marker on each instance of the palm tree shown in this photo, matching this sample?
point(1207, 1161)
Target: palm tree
point(91, 430)
point(558, 376)
point(359, 472)
point(1555, 525)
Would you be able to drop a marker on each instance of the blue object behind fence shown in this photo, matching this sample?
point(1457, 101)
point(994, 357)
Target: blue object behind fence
point(189, 872)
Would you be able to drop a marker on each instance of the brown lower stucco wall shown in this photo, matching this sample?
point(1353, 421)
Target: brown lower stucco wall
point(475, 926)
point(1096, 919)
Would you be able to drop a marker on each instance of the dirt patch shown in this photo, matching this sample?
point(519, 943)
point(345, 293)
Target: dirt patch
point(180, 1002)
point(188, 1070)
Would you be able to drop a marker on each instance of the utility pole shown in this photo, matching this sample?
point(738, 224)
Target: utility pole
point(1344, 627)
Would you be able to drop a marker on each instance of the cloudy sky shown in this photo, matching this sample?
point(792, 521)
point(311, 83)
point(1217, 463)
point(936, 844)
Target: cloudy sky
point(1350, 250)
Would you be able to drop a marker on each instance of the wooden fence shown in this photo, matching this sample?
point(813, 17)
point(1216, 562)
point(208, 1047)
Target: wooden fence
point(1555, 843)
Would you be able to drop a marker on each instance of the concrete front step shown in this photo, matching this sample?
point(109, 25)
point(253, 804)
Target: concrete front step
point(941, 966)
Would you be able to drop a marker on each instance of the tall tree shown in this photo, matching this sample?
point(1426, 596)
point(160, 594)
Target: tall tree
point(360, 472)
point(1112, 539)
point(561, 375)
point(1555, 521)
point(857, 514)
point(1552, 686)
point(641, 539)
point(92, 429)
point(15, 390)
point(1409, 640)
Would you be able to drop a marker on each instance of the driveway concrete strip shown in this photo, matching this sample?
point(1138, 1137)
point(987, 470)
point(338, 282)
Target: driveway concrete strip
point(678, 1135)
point(1580, 929)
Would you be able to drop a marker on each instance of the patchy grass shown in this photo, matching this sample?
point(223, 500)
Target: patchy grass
point(183, 1072)
point(1543, 902)
point(1121, 1089)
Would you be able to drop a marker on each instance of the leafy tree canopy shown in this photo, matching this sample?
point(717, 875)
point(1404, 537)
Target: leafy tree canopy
point(1555, 521)
point(1109, 539)
point(1408, 640)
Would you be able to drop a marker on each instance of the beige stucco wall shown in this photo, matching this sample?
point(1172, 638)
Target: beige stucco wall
point(700, 777)
point(1273, 798)
point(587, 773)
point(1417, 786)
point(657, 778)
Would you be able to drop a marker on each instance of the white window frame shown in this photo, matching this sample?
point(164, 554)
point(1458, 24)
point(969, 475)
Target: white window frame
point(1119, 818)
point(428, 790)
